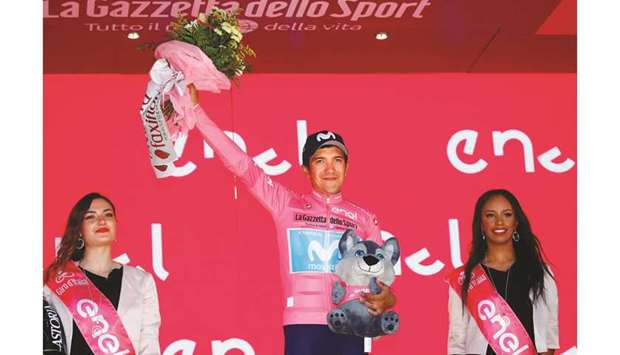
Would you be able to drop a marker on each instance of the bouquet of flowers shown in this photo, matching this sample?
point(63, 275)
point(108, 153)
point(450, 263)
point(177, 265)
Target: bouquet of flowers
point(218, 36)
point(206, 52)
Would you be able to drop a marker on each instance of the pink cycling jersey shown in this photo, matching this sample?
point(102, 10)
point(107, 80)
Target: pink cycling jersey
point(308, 227)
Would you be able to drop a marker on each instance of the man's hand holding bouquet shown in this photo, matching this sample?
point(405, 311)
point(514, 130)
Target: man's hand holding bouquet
point(205, 52)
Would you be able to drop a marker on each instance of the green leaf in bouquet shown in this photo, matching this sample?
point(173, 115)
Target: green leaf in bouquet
point(210, 51)
point(188, 39)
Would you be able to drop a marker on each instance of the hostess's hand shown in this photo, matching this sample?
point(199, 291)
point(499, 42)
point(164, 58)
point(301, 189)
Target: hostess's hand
point(379, 303)
point(193, 93)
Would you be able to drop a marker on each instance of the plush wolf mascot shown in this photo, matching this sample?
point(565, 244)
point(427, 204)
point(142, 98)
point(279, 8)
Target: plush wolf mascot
point(362, 264)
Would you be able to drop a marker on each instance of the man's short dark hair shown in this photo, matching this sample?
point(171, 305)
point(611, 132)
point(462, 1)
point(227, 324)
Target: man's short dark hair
point(322, 139)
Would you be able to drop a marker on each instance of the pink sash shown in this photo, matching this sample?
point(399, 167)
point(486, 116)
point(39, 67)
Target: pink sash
point(496, 320)
point(92, 311)
point(352, 292)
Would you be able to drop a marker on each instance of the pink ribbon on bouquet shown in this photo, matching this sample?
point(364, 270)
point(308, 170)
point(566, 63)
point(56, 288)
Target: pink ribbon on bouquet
point(197, 69)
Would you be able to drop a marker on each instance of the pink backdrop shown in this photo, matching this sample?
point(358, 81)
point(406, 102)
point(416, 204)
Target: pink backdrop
point(217, 268)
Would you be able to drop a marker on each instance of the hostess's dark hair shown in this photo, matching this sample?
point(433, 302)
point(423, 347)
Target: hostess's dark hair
point(528, 251)
point(70, 242)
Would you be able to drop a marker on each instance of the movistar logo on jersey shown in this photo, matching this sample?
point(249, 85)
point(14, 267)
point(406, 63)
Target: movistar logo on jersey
point(313, 250)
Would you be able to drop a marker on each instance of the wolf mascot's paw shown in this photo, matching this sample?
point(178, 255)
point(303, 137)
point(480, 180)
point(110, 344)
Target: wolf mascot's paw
point(389, 322)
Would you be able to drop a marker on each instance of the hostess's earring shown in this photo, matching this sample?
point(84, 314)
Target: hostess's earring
point(80, 243)
point(78, 253)
point(483, 236)
point(515, 236)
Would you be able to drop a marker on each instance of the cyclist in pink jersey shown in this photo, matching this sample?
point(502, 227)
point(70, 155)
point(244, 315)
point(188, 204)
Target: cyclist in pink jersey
point(308, 228)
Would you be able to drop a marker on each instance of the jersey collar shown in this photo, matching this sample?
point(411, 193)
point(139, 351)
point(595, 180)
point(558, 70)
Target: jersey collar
point(327, 199)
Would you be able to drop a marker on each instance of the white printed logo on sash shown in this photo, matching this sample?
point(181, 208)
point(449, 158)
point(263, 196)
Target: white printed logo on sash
point(313, 250)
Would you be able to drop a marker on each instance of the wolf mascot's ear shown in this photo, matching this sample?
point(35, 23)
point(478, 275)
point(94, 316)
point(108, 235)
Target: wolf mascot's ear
point(347, 241)
point(392, 250)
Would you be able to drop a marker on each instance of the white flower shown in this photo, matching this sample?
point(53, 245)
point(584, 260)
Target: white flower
point(193, 23)
point(217, 30)
point(227, 27)
point(239, 71)
point(233, 31)
point(236, 35)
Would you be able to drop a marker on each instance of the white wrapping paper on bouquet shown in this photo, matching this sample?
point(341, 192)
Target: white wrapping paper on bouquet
point(158, 138)
point(178, 64)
